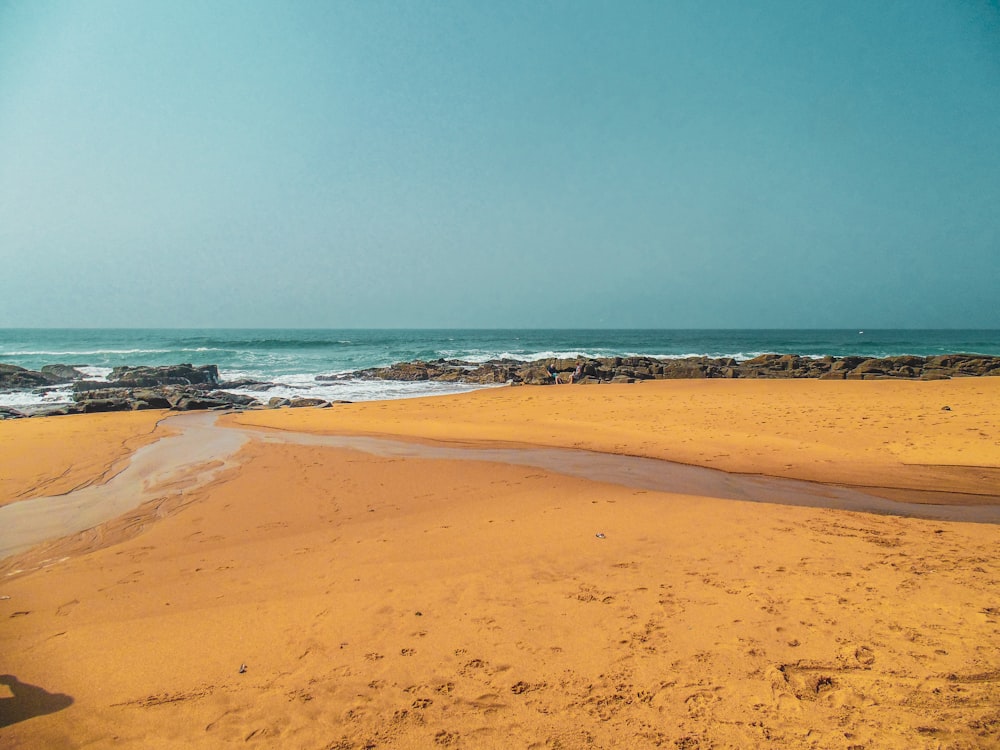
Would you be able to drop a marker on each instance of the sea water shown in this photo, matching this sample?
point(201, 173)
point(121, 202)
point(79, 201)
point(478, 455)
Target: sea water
point(293, 358)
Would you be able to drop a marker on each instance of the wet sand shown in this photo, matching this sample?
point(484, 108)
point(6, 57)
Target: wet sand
point(390, 601)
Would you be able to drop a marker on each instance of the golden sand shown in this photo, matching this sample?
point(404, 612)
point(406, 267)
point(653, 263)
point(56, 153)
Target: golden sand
point(386, 602)
point(53, 455)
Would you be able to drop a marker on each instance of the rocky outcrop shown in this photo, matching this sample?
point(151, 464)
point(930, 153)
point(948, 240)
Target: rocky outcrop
point(14, 378)
point(65, 373)
point(633, 369)
point(178, 398)
point(183, 374)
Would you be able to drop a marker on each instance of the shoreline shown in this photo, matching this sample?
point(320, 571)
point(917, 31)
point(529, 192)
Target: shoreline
point(310, 595)
point(186, 387)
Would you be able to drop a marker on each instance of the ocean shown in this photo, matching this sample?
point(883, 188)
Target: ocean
point(294, 357)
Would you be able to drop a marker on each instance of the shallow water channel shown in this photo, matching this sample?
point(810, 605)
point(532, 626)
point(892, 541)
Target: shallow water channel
point(201, 449)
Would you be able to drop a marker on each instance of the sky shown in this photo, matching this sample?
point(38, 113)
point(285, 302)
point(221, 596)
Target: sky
point(470, 164)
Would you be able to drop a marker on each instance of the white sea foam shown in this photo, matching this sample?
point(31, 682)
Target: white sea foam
point(26, 399)
point(352, 389)
point(95, 373)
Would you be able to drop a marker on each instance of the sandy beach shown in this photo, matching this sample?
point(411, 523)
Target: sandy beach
point(303, 595)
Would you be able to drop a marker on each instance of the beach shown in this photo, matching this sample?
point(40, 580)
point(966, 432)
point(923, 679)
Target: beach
point(310, 595)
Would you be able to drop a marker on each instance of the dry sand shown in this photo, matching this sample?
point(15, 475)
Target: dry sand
point(386, 602)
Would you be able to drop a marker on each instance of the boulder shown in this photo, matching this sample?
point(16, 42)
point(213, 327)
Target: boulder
point(65, 373)
point(98, 405)
point(297, 403)
point(871, 366)
point(150, 399)
point(235, 399)
point(17, 378)
point(190, 402)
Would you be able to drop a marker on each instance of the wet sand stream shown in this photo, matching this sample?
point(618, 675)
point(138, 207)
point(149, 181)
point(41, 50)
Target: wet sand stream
point(200, 450)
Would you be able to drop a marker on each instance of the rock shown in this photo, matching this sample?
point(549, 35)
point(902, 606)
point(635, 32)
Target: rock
point(17, 378)
point(847, 363)
point(84, 386)
point(55, 411)
point(236, 399)
point(185, 401)
point(875, 366)
point(184, 374)
point(277, 402)
point(405, 371)
point(150, 399)
point(65, 373)
point(257, 385)
point(97, 405)
point(8, 412)
point(679, 369)
point(297, 403)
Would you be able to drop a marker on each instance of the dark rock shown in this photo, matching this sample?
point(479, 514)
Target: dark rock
point(847, 363)
point(875, 366)
point(151, 398)
point(97, 405)
point(84, 386)
point(236, 399)
point(183, 374)
point(297, 403)
point(186, 401)
point(8, 412)
point(65, 373)
point(17, 378)
point(54, 411)
point(257, 385)
point(277, 402)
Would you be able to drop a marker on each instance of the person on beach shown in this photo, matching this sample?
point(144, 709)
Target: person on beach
point(551, 368)
point(577, 373)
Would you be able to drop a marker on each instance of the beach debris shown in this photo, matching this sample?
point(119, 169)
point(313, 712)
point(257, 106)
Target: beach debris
point(419, 614)
point(599, 535)
point(243, 668)
point(4, 598)
point(945, 408)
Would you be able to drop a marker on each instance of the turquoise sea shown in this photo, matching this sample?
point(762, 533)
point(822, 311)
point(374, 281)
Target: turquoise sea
point(294, 357)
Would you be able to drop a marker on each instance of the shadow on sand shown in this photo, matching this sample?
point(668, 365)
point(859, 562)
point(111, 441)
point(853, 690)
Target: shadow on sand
point(28, 701)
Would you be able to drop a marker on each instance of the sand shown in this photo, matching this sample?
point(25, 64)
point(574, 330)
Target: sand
point(399, 602)
point(52, 456)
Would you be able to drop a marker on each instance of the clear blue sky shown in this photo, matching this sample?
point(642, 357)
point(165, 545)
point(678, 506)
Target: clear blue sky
point(493, 164)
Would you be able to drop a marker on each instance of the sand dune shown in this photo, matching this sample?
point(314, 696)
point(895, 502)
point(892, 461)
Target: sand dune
point(378, 601)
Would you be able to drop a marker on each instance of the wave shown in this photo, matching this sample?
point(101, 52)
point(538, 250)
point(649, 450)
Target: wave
point(272, 343)
point(85, 352)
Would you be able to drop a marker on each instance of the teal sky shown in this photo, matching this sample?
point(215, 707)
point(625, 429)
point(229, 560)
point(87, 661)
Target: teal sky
point(500, 164)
